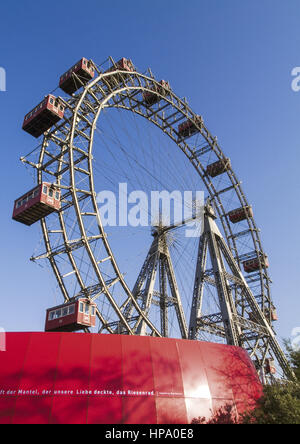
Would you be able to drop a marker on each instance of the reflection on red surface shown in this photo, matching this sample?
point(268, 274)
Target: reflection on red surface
point(166, 368)
point(67, 378)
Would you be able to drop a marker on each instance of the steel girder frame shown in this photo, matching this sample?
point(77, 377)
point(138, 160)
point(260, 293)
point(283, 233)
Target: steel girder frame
point(84, 110)
point(158, 261)
point(236, 326)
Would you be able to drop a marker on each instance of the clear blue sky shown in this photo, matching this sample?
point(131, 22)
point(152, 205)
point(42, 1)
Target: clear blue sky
point(232, 59)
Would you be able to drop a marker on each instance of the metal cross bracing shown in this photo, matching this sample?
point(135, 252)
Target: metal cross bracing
point(158, 264)
point(241, 322)
point(66, 158)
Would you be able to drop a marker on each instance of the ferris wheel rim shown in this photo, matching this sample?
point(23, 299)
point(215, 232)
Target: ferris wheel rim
point(187, 113)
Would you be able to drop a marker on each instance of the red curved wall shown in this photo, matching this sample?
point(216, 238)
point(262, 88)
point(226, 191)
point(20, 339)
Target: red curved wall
point(81, 378)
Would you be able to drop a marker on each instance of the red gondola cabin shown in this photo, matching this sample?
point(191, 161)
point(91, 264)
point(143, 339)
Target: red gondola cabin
point(270, 368)
point(189, 128)
point(272, 314)
point(85, 71)
point(37, 203)
point(73, 316)
point(124, 65)
point(152, 97)
point(255, 264)
point(44, 116)
point(219, 167)
point(240, 214)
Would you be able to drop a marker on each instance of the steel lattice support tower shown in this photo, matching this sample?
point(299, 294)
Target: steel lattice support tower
point(158, 263)
point(240, 321)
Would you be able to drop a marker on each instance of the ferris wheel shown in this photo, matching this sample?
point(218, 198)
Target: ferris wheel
point(116, 130)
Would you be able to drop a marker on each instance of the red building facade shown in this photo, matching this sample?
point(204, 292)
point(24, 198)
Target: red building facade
point(77, 378)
